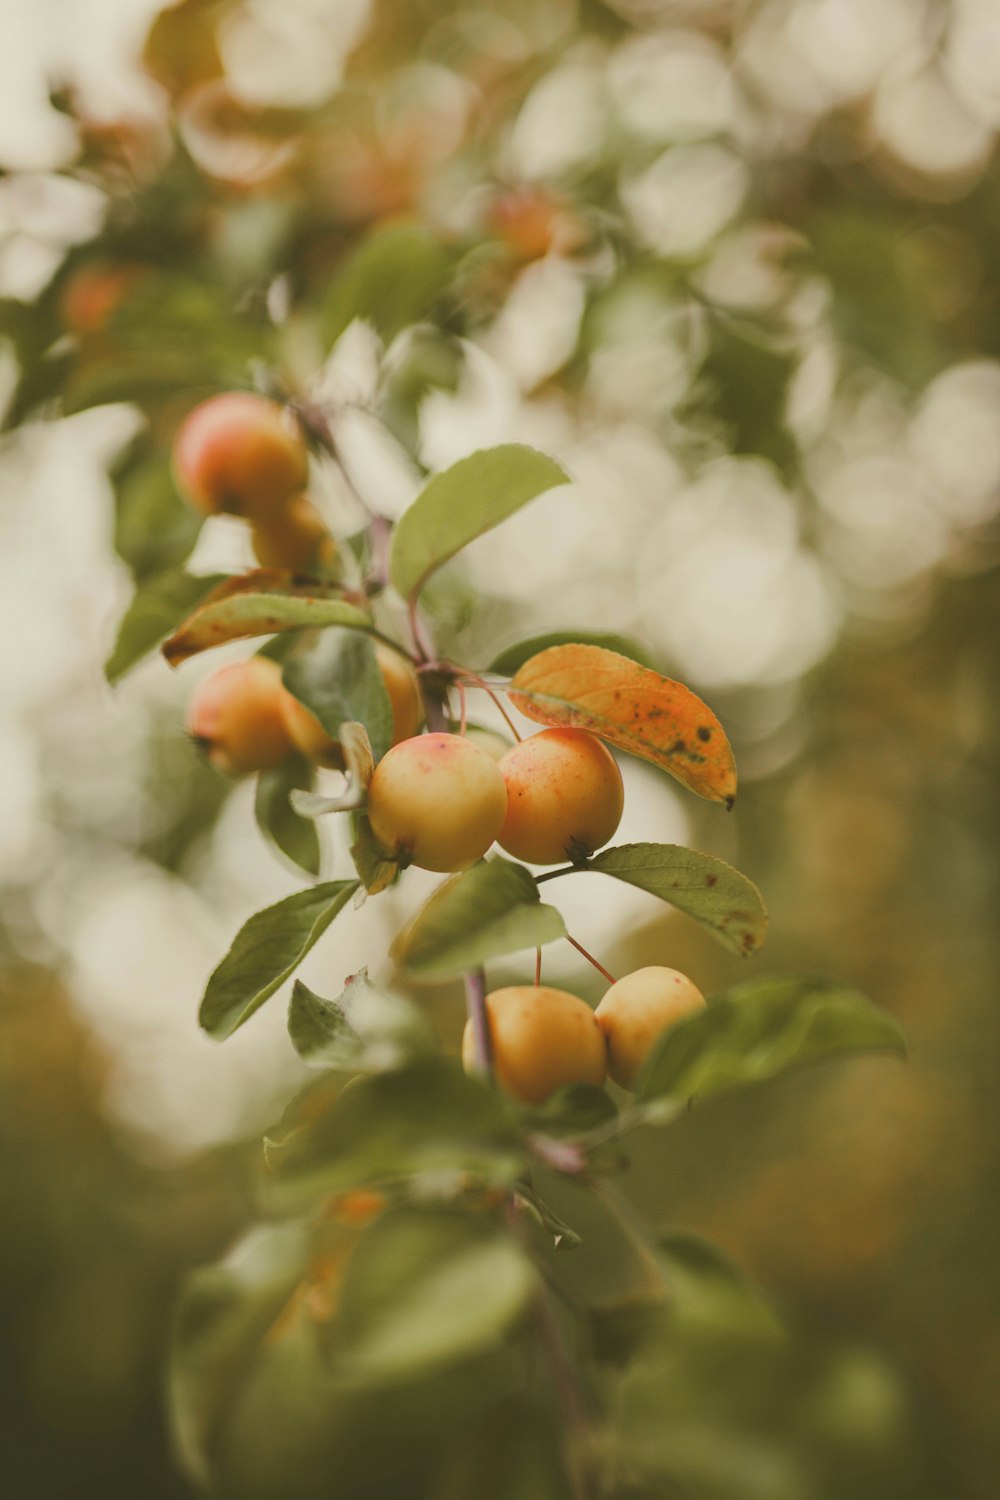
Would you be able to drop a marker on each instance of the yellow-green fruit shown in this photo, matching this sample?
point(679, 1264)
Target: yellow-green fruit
point(241, 454)
point(564, 796)
point(236, 716)
point(636, 1011)
point(294, 537)
point(437, 801)
point(400, 680)
point(543, 1040)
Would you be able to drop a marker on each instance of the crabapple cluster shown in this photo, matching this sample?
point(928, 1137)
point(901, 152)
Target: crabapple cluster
point(240, 454)
point(544, 1039)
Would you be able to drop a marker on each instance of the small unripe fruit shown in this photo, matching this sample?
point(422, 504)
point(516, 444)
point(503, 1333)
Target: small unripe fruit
point(437, 801)
point(636, 1011)
point(239, 453)
point(91, 296)
point(400, 680)
point(543, 1040)
point(564, 796)
point(294, 537)
point(236, 716)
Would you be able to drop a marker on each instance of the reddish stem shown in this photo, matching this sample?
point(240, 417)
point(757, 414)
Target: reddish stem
point(591, 959)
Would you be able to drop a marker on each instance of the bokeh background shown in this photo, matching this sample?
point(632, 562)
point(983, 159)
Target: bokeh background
point(765, 338)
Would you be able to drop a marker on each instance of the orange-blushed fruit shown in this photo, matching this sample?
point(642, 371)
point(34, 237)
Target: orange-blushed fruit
point(295, 537)
point(236, 717)
point(636, 1011)
point(564, 796)
point(240, 453)
point(543, 1039)
point(437, 801)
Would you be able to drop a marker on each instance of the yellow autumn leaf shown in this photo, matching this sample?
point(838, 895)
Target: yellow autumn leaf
point(632, 707)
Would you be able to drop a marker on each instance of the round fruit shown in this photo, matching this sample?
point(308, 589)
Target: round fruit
point(236, 716)
point(294, 537)
point(543, 1040)
point(241, 454)
point(564, 796)
point(92, 295)
point(437, 801)
point(635, 1012)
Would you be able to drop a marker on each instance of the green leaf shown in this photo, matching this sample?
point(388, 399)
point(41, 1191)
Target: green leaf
point(158, 606)
point(426, 1119)
point(429, 1286)
point(295, 837)
point(365, 1030)
point(392, 280)
point(709, 1296)
point(154, 528)
point(460, 504)
point(760, 1030)
point(564, 1236)
point(482, 913)
point(377, 871)
point(263, 602)
point(515, 656)
point(708, 889)
point(266, 951)
point(338, 680)
point(744, 382)
point(573, 1112)
point(223, 1319)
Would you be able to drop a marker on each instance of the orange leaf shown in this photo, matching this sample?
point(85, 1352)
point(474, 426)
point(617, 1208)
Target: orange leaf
point(588, 687)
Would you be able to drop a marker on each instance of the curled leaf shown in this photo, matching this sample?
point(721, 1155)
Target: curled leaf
point(263, 602)
point(632, 707)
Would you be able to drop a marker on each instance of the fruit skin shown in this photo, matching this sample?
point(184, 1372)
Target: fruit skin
point(236, 715)
point(564, 796)
point(437, 801)
point(635, 1012)
point(294, 537)
point(239, 453)
point(91, 296)
point(543, 1039)
point(309, 736)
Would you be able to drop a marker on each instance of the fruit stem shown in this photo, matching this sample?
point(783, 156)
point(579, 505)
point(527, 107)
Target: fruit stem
point(421, 643)
point(462, 708)
point(475, 1005)
point(480, 682)
point(590, 959)
point(562, 870)
point(538, 967)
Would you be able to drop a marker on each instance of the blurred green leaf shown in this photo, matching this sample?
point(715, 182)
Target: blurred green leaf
point(426, 1119)
point(456, 506)
point(483, 913)
point(563, 1235)
point(429, 1286)
point(392, 279)
point(266, 951)
point(706, 888)
point(760, 1030)
point(295, 837)
point(366, 1030)
point(154, 528)
point(224, 1315)
point(158, 606)
point(572, 1112)
point(262, 602)
point(515, 656)
point(337, 678)
point(744, 382)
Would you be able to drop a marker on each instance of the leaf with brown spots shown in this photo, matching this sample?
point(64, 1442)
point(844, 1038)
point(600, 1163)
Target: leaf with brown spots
point(705, 888)
point(263, 602)
point(588, 687)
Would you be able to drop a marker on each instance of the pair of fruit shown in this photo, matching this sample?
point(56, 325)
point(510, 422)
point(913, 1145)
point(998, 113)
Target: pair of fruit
point(545, 1039)
point(441, 800)
point(246, 720)
point(242, 455)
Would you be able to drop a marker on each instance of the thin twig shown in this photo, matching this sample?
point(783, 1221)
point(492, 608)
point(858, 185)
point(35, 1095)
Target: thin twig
point(591, 959)
point(562, 870)
point(538, 967)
